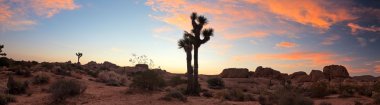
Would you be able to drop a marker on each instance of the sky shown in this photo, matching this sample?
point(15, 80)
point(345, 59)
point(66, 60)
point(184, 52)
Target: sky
point(286, 35)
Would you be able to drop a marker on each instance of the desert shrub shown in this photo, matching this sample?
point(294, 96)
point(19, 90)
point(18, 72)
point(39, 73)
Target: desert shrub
point(111, 78)
point(237, 95)
point(177, 80)
point(22, 72)
point(364, 90)
point(147, 80)
point(346, 91)
point(319, 90)
point(325, 103)
point(16, 87)
point(93, 73)
point(267, 100)
point(215, 83)
point(288, 97)
point(207, 94)
point(357, 102)
point(376, 87)
point(6, 98)
point(41, 78)
point(65, 88)
point(4, 61)
point(376, 98)
point(176, 95)
point(64, 72)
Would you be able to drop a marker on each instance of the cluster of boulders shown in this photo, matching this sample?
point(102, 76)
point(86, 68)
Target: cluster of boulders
point(329, 73)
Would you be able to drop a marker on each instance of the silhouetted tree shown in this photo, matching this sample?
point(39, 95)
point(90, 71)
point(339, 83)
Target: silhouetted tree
point(79, 55)
point(187, 45)
point(198, 22)
point(1, 51)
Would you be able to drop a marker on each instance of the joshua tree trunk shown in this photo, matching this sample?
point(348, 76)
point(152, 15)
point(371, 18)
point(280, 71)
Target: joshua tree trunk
point(196, 84)
point(78, 61)
point(190, 74)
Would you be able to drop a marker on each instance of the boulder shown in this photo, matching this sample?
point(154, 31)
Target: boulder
point(335, 72)
point(235, 73)
point(141, 67)
point(365, 78)
point(316, 75)
point(297, 74)
point(267, 73)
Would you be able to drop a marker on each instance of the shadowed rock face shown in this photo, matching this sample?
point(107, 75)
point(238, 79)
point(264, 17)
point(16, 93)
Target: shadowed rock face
point(235, 73)
point(316, 75)
point(365, 78)
point(297, 74)
point(267, 73)
point(142, 66)
point(335, 72)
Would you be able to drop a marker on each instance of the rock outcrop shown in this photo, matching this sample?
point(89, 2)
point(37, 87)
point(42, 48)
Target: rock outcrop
point(297, 74)
point(365, 78)
point(335, 72)
point(316, 75)
point(267, 73)
point(235, 73)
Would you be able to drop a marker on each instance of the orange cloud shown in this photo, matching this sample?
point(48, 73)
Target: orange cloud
point(317, 13)
point(18, 14)
point(255, 34)
point(286, 45)
point(356, 27)
point(377, 68)
point(330, 40)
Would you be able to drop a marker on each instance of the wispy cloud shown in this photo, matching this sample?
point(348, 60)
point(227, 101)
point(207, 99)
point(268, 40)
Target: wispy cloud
point(286, 45)
point(377, 68)
point(355, 28)
point(362, 41)
point(20, 14)
point(330, 40)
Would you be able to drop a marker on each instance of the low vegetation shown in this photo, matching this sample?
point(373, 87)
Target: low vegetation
point(41, 78)
point(237, 95)
point(148, 81)
point(5, 99)
point(16, 87)
point(319, 90)
point(65, 88)
point(177, 80)
point(174, 94)
point(215, 83)
point(111, 78)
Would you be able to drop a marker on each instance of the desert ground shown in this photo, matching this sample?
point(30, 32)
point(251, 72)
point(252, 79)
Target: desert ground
point(240, 86)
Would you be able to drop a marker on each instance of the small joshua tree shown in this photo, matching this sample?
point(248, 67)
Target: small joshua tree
point(1, 52)
point(187, 45)
point(79, 54)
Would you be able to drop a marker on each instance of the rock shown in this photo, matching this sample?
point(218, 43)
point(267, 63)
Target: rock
point(365, 78)
point(297, 74)
point(335, 71)
point(267, 73)
point(316, 75)
point(235, 73)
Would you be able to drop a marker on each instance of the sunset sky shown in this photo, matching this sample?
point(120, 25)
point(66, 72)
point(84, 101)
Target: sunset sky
point(287, 35)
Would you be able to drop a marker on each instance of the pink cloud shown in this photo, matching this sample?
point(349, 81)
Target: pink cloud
point(377, 68)
point(286, 45)
point(330, 40)
point(18, 14)
point(356, 27)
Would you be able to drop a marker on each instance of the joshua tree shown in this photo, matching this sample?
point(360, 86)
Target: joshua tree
point(198, 22)
point(79, 54)
point(1, 51)
point(187, 45)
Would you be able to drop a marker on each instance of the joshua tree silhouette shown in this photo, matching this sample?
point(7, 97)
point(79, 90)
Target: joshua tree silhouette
point(198, 22)
point(1, 51)
point(79, 54)
point(187, 45)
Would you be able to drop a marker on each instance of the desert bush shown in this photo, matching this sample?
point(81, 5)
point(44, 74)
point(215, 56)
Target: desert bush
point(207, 94)
point(267, 100)
point(376, 98)
point(319, 90)
point(16, 87)
point(22, 72)
point(176, 95)
point(325, 103)
point(177, 80)
point(237, 95)
point(64, 72)
point(148, 80)
point(65, 88)
point(4, 61)
point(215, 83)
point(111, 78)
point(6, 98)
point(41, 78)
point(364, 90)
point(288, 97)
point(47, 65)
point(357, 102)
point(376, 87)
point(346, 91)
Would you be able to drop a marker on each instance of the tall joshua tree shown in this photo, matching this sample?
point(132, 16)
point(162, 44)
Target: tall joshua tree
point(198, 22)
point(187, 45)
point(1, 51)
point(79, 55)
